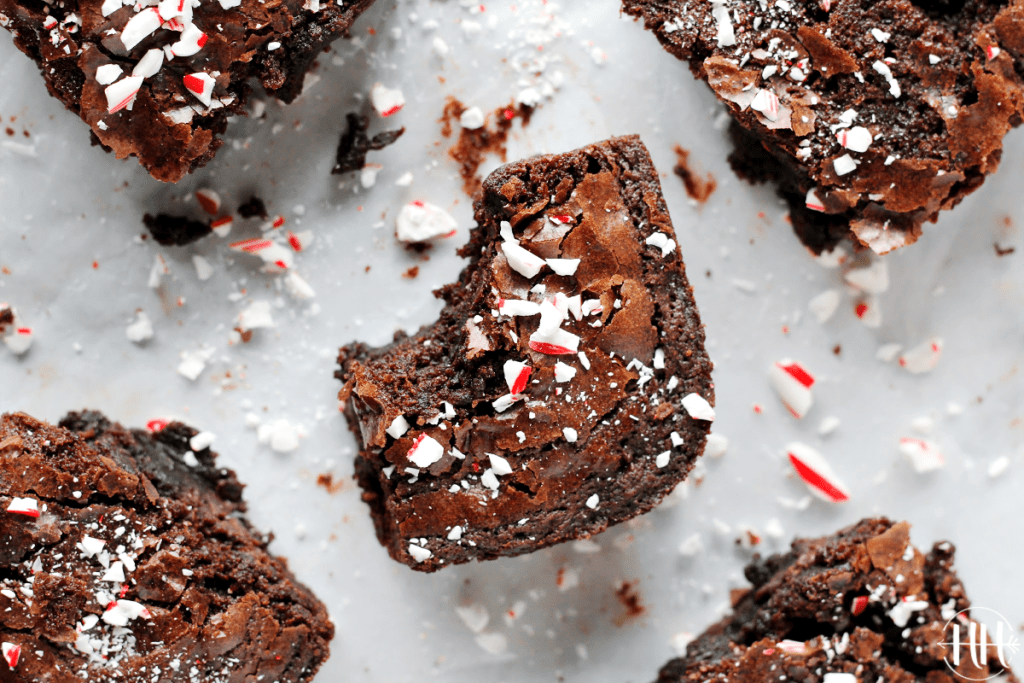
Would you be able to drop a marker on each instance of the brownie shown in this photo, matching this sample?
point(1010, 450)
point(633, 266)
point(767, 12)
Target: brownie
point(540, 407)
point(862, 605)
point(872, 116)
point(125, 556)
point(191, 64)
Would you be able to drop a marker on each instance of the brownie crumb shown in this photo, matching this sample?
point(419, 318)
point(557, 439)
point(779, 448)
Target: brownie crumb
point(326, 480)
point(699, 188)
point(175, 231)
point(475, 145)
point(252, 208)
point(355, 143)
point(411, 273)
point(629, 596)
point(1003, 251)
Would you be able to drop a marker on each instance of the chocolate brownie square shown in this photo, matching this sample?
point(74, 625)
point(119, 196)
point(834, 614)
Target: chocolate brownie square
point(565, 386)
point(158, 79)
point(871, 116)
point(125, 557)
point(862, 605)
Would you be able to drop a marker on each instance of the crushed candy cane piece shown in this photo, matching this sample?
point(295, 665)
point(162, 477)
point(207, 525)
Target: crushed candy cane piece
point(698, 407)
point(661, 241)
point(593, 501)
point(505, 402)
point(157, 425)
point(202, 441)
point(150, 64)
point(517, 374)
point(564, 266)
point(813, 202)
point(874, 279)
point(767, 103)
point(419, 221)
point(833, 677)
point(998, 466)
point(191, 42)
point(11, 654)
point(122, 94)
point(792, 647)
point(140, 26)
point(398, 427)
point(209, 200)
point(425, 451)
point(472, 118)
point(991, 52)
point(141, 330)
point(868, 311)
point(24, 506)
point(793, 384)
point(815, 471)
point(716, 445)
point(222, 226)
point(549, 338)
point(257, 315)
point(904, 609)
point(924, 455)
point(298, 287)
point(192, 364)
point(514, 307)
point(923, 357)
point(200, 84)
point(844, 164)
point(281, 435)
point(860, 603)
point(824, 305)
point(521, 260)
point(499, 465)
point(563, 372)
point(387, 101)
point(120, 612)
point(857, 139)
point(108, 73)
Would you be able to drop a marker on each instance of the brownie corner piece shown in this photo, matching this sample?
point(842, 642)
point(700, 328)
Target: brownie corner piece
point(565, 386)
point(861, 605)
point(872, 117)
point(125, 557)
point(158, 80)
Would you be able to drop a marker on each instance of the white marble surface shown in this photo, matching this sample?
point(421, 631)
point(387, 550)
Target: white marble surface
point(75, 269)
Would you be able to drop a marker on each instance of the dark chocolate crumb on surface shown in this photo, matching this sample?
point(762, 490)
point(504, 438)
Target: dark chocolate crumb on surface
point(355, 143)
point(175, 231)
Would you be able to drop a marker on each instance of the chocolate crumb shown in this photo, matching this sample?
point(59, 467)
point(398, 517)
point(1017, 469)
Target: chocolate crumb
point(355, 143)
point(326, 480)
point(699, 188)
point(252, 208)
point(175, 231)
point(473, 146)
point(630, 599)
point(246, 335)
point(1003, 251)
point(837, 349)
point(411, 273)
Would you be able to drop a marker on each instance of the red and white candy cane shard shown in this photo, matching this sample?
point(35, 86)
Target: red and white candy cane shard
point(419, 221)
point(49, 23)
point(425, 451)
point(174, 24)
point(176, 10)
point(110, 6)
point(192, 41)
point(860, 603)
point(140, 27)
point(277, 222)
point(792, 647)
point(517, 374)
point(924, 455)
point(201, 85)
point(524, 262)
point(24, 506)
point(387, 101)
point(549, 338)
point(121, 94)
point(813, 202)
point(698, 407)
point(209, 200)
point(150, 64)
point(815, 471)
point(157, 425)
point(923, 357)
point(868, 311)
point(11, 653)
point(992, 51)
point(825, 5)
point(560, 220)
point(222, 226)
point(251, 246)
point(767, 103)
point(793, 384)
point(294, 241)
point(856, 139)
point(514, 307)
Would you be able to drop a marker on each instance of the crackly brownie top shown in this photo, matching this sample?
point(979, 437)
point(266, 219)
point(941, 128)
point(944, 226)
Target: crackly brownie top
point(565, 351)
point(124, 556)
point(148, 76)
point(894, 108)
point(862, 605)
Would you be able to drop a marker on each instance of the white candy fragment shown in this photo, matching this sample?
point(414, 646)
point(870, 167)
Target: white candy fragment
point(200, 84)
point(856, 139)
point(726, 35)
point(517, 374)
point(204, 271)
point(563, 372)
point(662, 459)
point(998, 466)
point(398, 427)
point(499, 465)
point(419, 221)
point(475, 617)
point(883, 68)
point(716, 446)
point(387, 101)
point(564, 266)
point(122, 94)
point(839, 678)
point(140, 330)
point(905, 608)
point(298, 287)
point(661, 241)
point(524, 262)
point(24, 506)
point(923, 357)
point(570, 434)
point(140, 26)
point(874, 279)
point(425, 451)
point(193, 363)
point(257, 315)
point(202, 441)
point(828, 425)
point(123, 611)
point(824, 305)
point(513, 307)
point(281, 435)
point(115, 574)
point(767, 103)
point(108, 73)
point(813, 201)
point(549, 338)
point(698, 407)
point(793, 384)
point(472, 118)
point(420, 554)
point(593, 501)
point(924, 455)
point(150, 64)
point(815, 471)
point(844, 164)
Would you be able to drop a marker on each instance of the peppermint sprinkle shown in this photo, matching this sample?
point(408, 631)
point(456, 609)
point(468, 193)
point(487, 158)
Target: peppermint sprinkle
point(564, 373)
point(398, 427)
point(140, 27)
point(201, 85)
point(844, 164)
point(192, 41)
point(924, 455)
point(499, 465)
point(571, 435)
point(150, 64)
point(767, 103)
point(425, 451)
point(120, 612)
point(549, 338)
point(815, 471)
point(661, 241)
point(108, 73)
point(209, 200)
point(387, 101)
point(420, 554)
point(419, 221)
point(24, 506)
point(813, 202)
point(514, 307)
point(593, 501)
point(883, 68)
point(992, 51)
point(860, 603)
point(698, 407)
point(793, 384)
point(856, 139)
point(517, 374)
point(923, 357)
point(564, 266)
point(662, 459)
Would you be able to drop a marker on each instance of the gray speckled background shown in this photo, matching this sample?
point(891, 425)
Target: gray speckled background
point(66, 205)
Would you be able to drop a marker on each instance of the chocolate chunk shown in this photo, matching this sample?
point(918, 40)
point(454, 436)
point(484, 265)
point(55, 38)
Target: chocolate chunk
point(253, 208)
point(354, 143)
point(871, 117)
point(124, 554)
point(457, 467)
point(175, 231)
point(862, 601)
point(174, 121)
